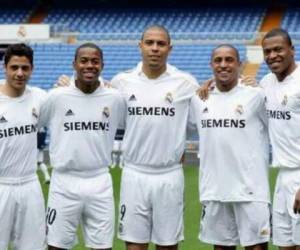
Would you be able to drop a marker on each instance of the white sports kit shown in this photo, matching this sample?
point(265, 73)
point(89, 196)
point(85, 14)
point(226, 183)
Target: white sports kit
point(153, 145)
point(283, 109)
point(22, 210)
point(82, 128)
point(233, 166)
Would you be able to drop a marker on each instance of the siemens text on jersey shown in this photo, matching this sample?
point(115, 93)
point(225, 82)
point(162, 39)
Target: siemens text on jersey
point(22, 130)
point(279, 115)
point(157, 111)
point(70, 126)
point(223, 123)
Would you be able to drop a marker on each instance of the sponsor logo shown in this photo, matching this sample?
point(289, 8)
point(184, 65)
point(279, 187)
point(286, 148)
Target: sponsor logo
point(77, 126)
point(155, 111)
point(69, 113)
point(2, 119)
point(132, 98)
point(205, 110)
point(279, 115)
point(223, 123)
point(15, 131)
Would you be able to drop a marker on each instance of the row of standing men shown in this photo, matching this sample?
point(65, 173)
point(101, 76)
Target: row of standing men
point(154, 102)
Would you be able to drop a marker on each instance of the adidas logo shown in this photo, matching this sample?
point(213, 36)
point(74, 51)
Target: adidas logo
point(205, 110)
point(132, 98)
point(2, 119)
point(69, 112)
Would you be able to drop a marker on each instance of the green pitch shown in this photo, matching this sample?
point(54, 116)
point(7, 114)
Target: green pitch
point(192, 210)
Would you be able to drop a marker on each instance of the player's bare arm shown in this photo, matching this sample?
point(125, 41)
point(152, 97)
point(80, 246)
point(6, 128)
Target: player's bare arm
point(297, 202)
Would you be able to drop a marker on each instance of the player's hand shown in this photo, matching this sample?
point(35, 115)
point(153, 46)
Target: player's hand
point(248, 81)
point(297, 202)
point(206, 86)
point(62, 81)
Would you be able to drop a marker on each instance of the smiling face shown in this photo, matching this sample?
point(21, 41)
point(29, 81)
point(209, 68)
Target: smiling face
point(225, 65)
point(279, 56)
point(88, 65)
point(155, 47)
point(18, 71)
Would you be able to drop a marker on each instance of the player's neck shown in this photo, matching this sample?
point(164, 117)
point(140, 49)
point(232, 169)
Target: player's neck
point(226, 87)
point(153, 73)
point(8, 90)
point(87, 88)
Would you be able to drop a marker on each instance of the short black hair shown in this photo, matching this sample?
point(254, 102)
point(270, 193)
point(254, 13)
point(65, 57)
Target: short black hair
point(159, 27)
point(279, 32)
point(18, 49)
point(89, 45)
point(225, 45)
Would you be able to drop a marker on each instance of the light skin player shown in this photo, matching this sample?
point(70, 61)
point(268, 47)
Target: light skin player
point(279, 56)
point(225, 64)
point(155, 47)
point(22, 209)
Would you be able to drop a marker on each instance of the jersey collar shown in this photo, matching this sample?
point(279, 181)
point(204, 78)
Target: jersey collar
point(167, 73)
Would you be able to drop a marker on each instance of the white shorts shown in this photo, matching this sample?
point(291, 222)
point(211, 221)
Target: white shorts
point(73, 200)
point(235, 223)
point(22, 216)
point(286, 224)
point(151, 207)
point(40, 156)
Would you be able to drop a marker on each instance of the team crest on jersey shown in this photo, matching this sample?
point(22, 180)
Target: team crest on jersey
point(284, 100)
point(205, 110)
point(264, 232)
point(2, 119)
point(105, 112)
point(239, 109)
point(132, 98)
point(34, 113)
point(169, 97)
point(121, 228)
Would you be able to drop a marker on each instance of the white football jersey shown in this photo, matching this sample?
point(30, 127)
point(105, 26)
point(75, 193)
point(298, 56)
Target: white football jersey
point(18, 134)
point(82, 128)
point(233, 145)
point(283, 108)
point(157, 113)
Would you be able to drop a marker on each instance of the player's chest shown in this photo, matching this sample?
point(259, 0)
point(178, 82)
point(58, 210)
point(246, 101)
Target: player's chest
point(285, 98)
point(15, 114)
point(230, 108)
point(85, 110)
point(156, 95)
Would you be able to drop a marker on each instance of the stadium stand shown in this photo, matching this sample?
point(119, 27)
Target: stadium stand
point(291, 22)
point(205, 23)
point(14, 16)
